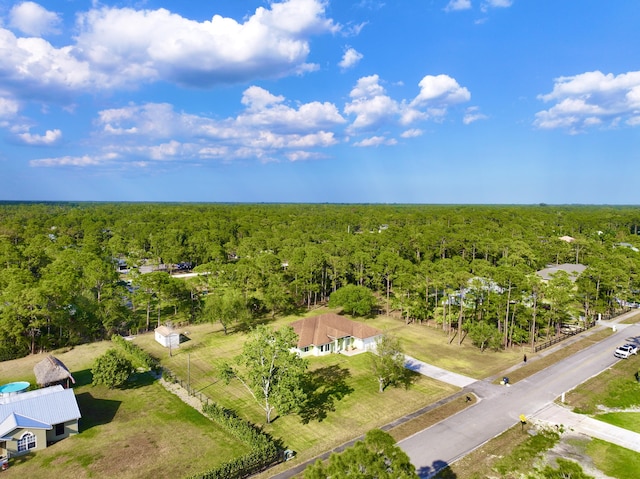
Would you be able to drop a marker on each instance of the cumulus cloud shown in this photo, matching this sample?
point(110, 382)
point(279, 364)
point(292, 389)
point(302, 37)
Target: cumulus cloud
point(441, 89)
point(8, 107)
point(454, 5)
point(49, 138)
point(268, 127)
point(373, 108)
point(412, 133)
point(591, 99)
point(350, 58)
point(33, 19)
point(123, 47)
point(151, 44)
point(370, 104)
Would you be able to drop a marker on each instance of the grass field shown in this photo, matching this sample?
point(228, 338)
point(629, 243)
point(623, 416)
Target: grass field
point(345, 399)
point(144, 428)
point(139, 431)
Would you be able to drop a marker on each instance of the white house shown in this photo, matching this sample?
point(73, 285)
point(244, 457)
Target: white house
point(34, 419)
point(331, 333)
point(167, 337)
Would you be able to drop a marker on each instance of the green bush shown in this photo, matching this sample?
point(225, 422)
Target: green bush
point(264, 450)
point(111, 369)
point(139, 357)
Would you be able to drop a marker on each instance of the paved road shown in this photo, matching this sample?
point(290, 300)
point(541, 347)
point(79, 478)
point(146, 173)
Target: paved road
point(499, 407)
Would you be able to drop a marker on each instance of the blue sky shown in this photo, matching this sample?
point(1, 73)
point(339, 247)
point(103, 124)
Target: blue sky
point(410, 101)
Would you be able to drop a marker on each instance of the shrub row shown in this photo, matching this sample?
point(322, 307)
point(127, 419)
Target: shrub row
point(139, 357)
point(264, 450)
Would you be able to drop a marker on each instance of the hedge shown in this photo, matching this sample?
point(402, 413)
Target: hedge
point(264, 450)
point(139, 357)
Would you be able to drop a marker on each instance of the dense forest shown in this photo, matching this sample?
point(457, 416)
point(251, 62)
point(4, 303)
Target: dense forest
point(73, 272)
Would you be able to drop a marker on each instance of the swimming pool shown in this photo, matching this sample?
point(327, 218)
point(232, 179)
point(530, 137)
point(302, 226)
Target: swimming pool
point(14, 388)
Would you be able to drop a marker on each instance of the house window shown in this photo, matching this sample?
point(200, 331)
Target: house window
point(305, 349)
point(59, 429)
point(26, 442)
point(325, 347)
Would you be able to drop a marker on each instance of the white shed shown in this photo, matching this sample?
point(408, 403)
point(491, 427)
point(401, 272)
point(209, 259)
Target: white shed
point(167, 337)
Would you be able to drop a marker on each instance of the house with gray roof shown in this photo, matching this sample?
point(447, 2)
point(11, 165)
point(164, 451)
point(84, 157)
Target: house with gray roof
point(32, 420)
point(332, 333)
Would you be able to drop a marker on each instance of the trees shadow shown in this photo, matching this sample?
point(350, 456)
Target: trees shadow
point(438, 470)
point(95, 411)
point(323, 388)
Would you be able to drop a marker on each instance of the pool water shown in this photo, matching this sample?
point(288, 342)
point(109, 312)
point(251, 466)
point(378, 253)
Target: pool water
point(16, 387)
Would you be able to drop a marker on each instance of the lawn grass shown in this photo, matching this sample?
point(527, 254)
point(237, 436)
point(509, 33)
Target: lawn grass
point(139, 431)
point(613, 460)
point(434, 346)
point(345, 399)
point(614, 388)
point(626, 420)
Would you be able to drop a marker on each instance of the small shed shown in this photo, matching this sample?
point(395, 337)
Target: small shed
point(51, 371)
point(167, 337)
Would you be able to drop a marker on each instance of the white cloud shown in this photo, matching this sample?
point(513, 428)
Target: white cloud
point(373, 108)
point(33, 19)
point(8, 107)
point(353, 30)
point(472, 114)
point(123, 47)
point(487, 4)
point(267, 128)
point(375, 141)
point(370, 105)
point(350, 58)
point(442, 89)
point(412, 133)
point(49, 138)
point(32, 67)
point(152, 44)
point(591, 99)
point(80, 161)
point(454, 5)
point(498, 3)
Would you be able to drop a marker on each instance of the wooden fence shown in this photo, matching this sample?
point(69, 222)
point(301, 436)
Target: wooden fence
point(568, 333)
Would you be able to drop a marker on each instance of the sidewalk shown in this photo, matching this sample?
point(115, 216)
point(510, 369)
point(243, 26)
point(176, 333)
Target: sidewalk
point(558, 415)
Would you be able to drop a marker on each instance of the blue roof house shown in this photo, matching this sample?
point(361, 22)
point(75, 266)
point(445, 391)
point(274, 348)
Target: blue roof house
point(32, 420)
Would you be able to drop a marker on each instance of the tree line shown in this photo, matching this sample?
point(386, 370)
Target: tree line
point(469, 269)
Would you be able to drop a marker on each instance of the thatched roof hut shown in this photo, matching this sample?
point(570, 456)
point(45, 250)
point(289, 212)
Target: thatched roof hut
point(51, 371)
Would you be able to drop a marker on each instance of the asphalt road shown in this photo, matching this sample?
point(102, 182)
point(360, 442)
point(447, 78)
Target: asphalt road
point(499, 407)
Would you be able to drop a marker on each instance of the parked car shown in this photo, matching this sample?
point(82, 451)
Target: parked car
point(625, 351)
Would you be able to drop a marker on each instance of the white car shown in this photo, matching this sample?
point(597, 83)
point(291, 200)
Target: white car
point(625, 351)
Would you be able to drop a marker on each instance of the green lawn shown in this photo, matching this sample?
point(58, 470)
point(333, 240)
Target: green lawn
point(345, 401)
point(614, 461)
point(139, 431)
point(626, 420)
